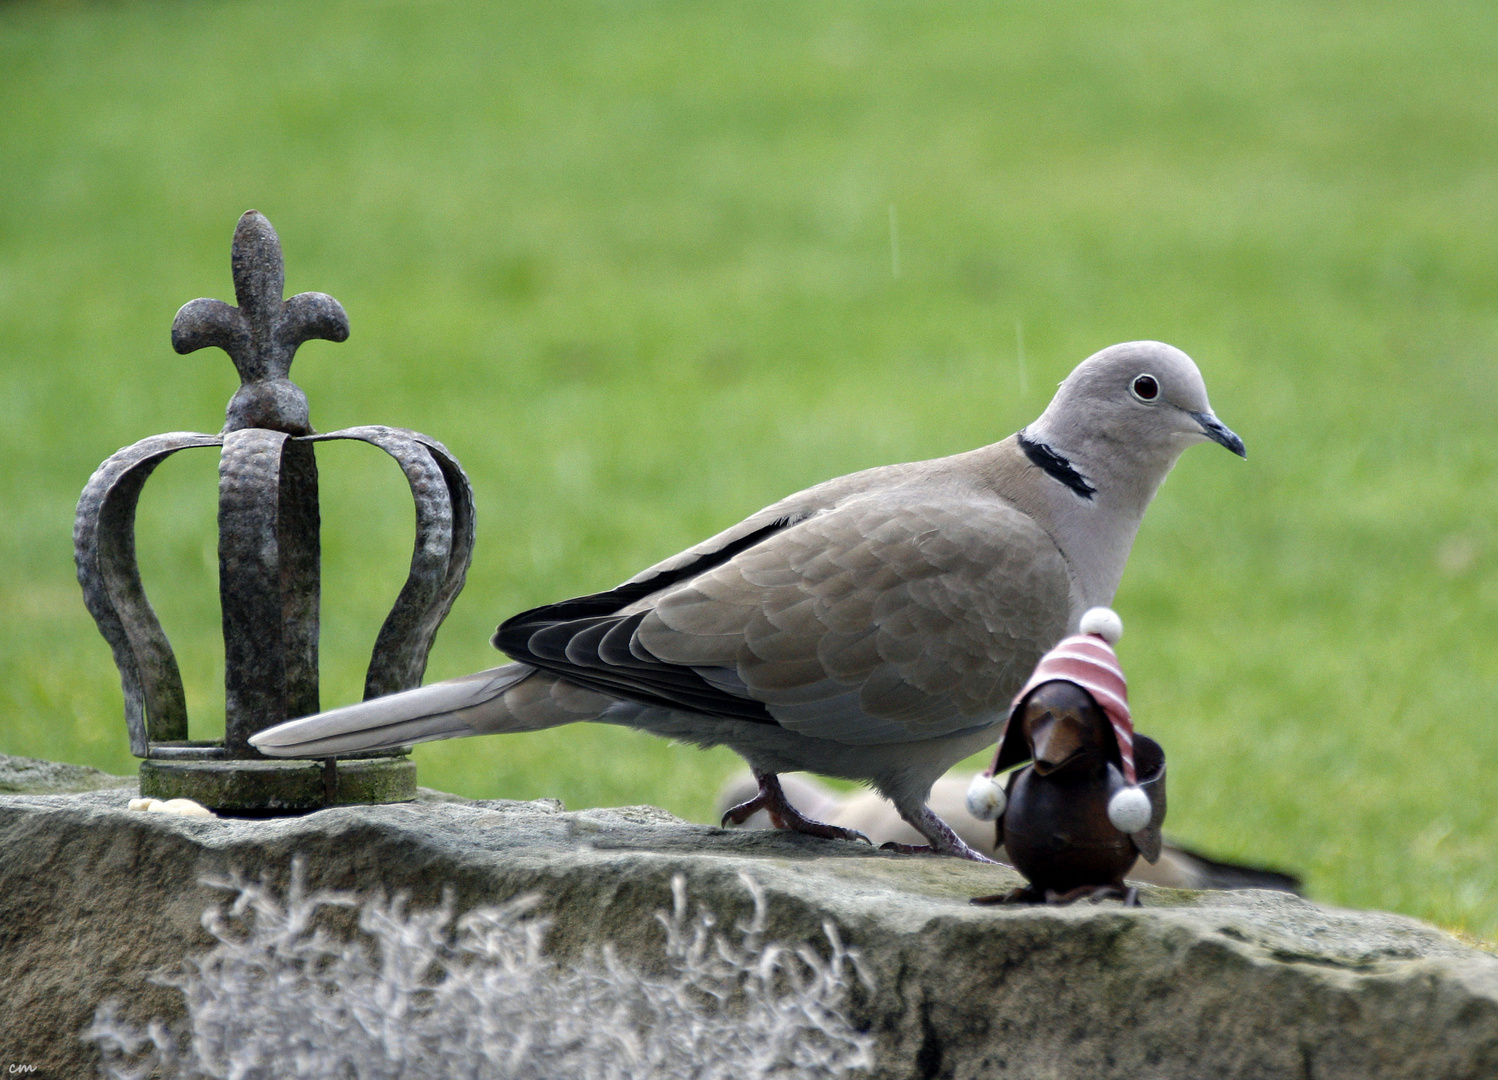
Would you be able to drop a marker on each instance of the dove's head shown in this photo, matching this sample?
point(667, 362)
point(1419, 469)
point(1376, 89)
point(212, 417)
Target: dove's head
point(1142, 398)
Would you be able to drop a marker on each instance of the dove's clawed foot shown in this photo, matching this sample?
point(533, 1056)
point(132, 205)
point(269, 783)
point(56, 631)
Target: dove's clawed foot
point(771, 799)
point(964, 852)
point(908, 849)
point(943, 840)
point(1029, 894)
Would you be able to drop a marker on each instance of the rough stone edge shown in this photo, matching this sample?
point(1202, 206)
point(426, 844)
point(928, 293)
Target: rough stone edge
point(35, 776)
point(935, 934)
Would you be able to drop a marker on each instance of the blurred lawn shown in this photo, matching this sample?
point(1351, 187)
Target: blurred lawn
point(633, 263)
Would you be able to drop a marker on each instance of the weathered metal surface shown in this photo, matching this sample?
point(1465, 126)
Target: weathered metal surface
point(263, 333)
point(444, 547)
point(104, 549)
point(268, 581)
point(268, 546)
point(279, 786)
point(298, 529)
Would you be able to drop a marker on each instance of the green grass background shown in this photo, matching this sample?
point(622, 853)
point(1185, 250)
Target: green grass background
point(646, 267)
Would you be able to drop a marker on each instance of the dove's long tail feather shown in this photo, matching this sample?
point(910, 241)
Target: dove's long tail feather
point(514, 697)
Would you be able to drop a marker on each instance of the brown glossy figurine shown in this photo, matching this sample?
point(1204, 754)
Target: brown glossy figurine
point(1092, 799)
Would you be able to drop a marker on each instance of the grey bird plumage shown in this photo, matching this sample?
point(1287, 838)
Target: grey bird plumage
point(873, 627)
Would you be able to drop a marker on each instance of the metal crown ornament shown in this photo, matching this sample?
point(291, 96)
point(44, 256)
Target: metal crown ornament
point(268, 522)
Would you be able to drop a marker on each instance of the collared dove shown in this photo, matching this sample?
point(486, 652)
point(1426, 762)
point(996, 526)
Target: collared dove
point(874, 627)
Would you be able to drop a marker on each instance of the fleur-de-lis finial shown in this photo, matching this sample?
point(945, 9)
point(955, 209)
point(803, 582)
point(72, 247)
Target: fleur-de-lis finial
point(262, 334)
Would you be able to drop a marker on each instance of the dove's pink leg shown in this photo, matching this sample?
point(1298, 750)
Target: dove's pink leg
point(943, 840)
point(783, 815)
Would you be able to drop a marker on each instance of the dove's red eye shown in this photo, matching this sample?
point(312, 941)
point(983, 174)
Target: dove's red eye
point(1146, 388)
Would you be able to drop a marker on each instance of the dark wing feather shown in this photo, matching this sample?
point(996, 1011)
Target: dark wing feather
point(590, 642)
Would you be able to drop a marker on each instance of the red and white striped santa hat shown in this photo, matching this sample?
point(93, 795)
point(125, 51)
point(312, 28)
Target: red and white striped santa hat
point(1088, 660)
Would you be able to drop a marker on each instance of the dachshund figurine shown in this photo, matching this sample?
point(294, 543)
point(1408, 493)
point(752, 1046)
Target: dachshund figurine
point(1092, 798)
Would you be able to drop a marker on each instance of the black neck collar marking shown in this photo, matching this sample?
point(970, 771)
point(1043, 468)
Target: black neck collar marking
point(1055, 466)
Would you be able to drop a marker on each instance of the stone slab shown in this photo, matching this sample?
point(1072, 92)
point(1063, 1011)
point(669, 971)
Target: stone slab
point(1226, 985)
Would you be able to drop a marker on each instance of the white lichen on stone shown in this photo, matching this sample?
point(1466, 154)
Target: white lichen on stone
point(421, 993)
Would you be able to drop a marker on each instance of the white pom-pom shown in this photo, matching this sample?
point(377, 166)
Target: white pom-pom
point(1129, 810)
point(985, 798)
point(1104, 622)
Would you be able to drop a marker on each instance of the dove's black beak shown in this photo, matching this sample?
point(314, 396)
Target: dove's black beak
point(1218, 432)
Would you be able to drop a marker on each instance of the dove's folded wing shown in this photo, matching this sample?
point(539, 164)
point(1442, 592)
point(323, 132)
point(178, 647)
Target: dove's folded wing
point(894, 616)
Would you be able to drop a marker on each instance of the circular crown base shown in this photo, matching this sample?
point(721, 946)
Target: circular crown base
point(280, 787)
